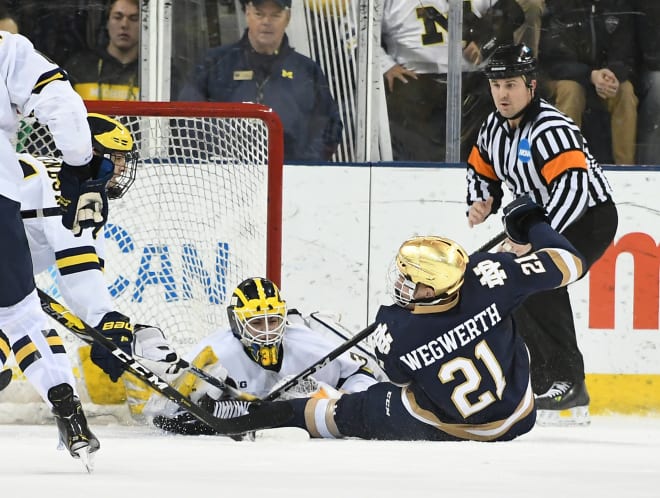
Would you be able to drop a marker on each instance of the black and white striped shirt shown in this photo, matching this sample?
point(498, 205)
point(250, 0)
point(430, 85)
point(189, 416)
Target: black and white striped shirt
point(546, 156)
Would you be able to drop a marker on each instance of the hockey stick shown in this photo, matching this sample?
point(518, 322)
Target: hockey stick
point(41, 213)
point(5, 378)
point(75, 325)
point(318, 365)
point(220, 384)
point(492, 242)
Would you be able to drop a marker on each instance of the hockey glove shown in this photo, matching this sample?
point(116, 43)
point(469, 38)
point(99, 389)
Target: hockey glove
point(117, 328)
point(155, 352)
point(83, 197)
point(519, 216)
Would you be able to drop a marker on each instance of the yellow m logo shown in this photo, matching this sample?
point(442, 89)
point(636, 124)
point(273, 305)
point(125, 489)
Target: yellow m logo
point(287, 74)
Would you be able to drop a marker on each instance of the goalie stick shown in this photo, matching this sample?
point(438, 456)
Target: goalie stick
point(318, 365)
point(88, 334)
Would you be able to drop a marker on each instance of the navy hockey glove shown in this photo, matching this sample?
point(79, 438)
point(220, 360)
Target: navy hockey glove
point(519, 216)
point(118, 329)
point(83, 197)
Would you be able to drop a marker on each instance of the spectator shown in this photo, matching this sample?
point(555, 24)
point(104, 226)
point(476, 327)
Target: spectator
point(587, 53)
point(647, 29)
point(263, 68)
point(415, 61)
point(530, 32)
point(112, 72)
point(7, 21)
point(263, 347)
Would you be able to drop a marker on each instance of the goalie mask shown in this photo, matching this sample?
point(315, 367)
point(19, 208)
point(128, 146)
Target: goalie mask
point(257, 316)
point(113, 140)
point(437, 262)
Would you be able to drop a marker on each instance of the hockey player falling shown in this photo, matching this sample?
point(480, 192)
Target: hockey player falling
point(458, 369)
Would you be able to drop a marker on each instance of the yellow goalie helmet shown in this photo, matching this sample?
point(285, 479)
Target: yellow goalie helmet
point(437, 262)
point(257, 316)
point(113, 140)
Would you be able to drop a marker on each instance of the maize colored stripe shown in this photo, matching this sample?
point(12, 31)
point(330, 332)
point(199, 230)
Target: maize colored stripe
point(626, 394)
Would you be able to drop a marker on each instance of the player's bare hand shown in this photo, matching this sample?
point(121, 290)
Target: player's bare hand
point(479, 211)
point(517, 249)
point(398, 72)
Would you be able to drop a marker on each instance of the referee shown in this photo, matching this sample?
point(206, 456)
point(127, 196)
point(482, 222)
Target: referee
point(534, 149)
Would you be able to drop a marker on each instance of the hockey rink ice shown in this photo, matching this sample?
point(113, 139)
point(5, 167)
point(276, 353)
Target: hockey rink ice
point(617, 456)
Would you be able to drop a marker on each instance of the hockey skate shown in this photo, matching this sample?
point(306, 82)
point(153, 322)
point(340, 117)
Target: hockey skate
point(565, 403)
point(74, 433)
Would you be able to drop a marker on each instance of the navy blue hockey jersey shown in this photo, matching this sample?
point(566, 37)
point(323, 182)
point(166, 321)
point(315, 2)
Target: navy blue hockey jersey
point(466, 369)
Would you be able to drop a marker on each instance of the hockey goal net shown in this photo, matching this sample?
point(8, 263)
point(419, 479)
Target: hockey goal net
point(204, 213)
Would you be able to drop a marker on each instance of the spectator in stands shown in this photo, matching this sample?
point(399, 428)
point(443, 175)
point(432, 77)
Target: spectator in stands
point(263, 68)
point(111, 73)
point(530, 32)
point(647, 28)
point(7, 21)
point(415, 61)
point(587, 54)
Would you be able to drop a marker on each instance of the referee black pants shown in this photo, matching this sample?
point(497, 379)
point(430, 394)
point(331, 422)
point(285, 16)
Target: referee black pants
point(545, 320)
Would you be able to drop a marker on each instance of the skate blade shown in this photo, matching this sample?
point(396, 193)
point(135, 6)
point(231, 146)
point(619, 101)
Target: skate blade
point(86, 458)
point(576, 416)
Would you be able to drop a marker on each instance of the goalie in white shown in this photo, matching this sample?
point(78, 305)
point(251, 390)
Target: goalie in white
point(259, 352)
point(80, 259)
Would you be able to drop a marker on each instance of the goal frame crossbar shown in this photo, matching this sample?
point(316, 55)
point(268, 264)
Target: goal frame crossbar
point(225, 110)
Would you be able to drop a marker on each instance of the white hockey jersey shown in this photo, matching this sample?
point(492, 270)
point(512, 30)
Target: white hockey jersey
point(29, 83)
point(416, 35)
point(79, 259)
point(301, 348)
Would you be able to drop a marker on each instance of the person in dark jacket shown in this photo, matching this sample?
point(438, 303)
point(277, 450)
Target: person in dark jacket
point(587, 53)
point(647, 23)
point(112, 73)
point(262, 67)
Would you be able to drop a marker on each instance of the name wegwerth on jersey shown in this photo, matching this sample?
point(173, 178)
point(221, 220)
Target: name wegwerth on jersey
point(459, 336)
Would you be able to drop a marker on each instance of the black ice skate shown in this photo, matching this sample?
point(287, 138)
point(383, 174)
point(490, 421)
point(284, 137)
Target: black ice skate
point(74, 433)
point(565, 403)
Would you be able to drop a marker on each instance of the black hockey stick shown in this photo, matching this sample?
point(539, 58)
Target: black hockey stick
point(220, 384)
point(26, 214)
point(318, 365)
point(492, 242)
point(75, 325)
point(5, 378)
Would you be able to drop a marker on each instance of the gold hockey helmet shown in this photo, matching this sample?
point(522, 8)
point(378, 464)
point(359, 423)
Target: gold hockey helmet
point(437, 262)
point(257, 316)
point(113, 140)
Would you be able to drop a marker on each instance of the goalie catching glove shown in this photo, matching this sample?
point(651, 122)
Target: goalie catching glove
point(83, 197)
point(519, 216)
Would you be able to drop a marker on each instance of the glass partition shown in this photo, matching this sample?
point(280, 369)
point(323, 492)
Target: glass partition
point(405, 121)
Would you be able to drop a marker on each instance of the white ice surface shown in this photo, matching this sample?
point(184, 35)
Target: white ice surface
point(617, 457)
